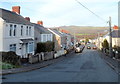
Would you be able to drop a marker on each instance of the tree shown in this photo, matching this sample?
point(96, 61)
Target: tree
point(105, 44)
point(86, 40)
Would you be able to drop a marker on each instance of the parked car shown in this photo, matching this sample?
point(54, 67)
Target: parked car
point(88, 47)
point(77, 50)
point(94, 48)
point(82, 47)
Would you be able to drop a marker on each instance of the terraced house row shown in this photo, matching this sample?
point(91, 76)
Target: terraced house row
point(18, 34)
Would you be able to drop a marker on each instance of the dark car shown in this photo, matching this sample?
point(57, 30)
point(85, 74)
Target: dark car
point(88, 47)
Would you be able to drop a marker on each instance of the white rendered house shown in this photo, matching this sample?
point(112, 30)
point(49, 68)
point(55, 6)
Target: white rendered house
point(16, 33)
point(41, 34)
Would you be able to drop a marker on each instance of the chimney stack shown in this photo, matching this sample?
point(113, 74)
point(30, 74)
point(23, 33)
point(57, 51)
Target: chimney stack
point(115, 27)
point(27, 18)
point(40, 23)
point(16, 9)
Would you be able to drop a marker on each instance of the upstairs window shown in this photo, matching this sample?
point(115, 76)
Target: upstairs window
point(27, 30)
point(14, 30)
point(11, 28)
point(21, 30)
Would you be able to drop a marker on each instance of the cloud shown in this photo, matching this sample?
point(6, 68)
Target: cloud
point(66, 12)
point(88, 1)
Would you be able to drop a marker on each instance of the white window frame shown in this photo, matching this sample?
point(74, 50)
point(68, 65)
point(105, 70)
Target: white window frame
point(21, 33)
point(12, 47)
point(29, 31)
point(14, 30)
point(11, 29)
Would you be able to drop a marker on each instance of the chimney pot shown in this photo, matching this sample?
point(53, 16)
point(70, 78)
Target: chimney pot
point(115, 27)
point(16, 9)
point(40, 23)
point(27, 18)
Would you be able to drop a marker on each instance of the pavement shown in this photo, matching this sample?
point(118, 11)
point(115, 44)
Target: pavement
point(30, 67)
point(112, 62)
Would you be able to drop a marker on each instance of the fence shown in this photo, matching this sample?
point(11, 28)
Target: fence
point(39, 57)
point(59, 53)
point(115, 54)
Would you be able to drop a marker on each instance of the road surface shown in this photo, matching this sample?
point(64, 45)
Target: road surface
point(87, 66)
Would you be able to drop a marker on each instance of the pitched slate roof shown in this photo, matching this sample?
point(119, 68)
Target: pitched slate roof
point(116, 33)
point(58, 33)
point(41, 29)
point(12, 17)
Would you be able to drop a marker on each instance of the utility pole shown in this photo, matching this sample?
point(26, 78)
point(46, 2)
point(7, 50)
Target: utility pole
point(110, 38)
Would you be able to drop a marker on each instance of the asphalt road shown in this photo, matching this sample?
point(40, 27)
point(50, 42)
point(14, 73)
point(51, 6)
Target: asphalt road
point(80, 67)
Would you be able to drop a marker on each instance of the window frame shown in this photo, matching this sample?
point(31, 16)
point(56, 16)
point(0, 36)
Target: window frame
point(14, 30)
point(29, 31)
point(10, 31)
point(21, 31)
point(26, 30)
point(12, 47)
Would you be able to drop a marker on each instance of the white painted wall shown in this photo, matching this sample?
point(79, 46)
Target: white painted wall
point(1, 34)
point(115, 41)
point(7, 39)
point(41, 37)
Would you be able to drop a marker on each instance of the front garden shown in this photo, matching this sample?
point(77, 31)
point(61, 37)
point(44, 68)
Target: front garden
point(9, 60)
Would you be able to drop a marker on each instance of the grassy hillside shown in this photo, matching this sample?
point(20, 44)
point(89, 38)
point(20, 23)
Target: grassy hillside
point(85, 31)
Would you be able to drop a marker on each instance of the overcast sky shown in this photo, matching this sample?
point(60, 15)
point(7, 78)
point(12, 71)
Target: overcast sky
point(56, 13)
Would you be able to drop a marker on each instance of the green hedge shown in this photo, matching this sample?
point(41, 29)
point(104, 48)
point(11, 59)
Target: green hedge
point(45, 47)
point(105, 44)
point(10, 57)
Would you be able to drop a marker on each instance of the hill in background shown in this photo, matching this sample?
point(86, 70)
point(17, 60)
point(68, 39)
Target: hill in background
point(84, 31)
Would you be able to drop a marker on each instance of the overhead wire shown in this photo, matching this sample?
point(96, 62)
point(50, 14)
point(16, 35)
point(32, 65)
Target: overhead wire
point(90, 10)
